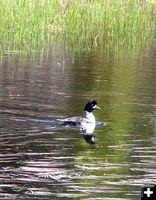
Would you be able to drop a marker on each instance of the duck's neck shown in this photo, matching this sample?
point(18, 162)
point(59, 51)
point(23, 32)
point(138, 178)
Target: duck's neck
point(90, 116)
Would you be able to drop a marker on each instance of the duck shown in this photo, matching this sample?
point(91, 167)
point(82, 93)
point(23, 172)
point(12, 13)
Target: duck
point(85, 123)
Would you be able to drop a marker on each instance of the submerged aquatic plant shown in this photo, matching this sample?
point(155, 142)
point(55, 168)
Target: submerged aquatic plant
point(29, 25)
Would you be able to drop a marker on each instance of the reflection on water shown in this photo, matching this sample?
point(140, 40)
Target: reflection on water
point(48, 161)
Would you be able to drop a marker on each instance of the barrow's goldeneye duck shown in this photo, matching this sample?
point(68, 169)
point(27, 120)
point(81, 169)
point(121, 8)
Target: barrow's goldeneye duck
point(86, 123)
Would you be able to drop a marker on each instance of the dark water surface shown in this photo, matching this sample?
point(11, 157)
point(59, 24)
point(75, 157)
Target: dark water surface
point(48, 161)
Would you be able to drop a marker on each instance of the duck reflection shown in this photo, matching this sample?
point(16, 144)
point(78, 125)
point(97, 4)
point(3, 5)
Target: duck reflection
point(87, 130)
point(90, 138)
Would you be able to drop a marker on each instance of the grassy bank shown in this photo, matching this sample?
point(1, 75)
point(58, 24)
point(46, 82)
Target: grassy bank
point(31, 24)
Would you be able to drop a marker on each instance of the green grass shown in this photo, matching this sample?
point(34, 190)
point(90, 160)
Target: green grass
point(30, 25)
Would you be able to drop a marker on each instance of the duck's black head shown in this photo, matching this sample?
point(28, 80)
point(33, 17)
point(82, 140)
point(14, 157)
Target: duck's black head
point(90, 106)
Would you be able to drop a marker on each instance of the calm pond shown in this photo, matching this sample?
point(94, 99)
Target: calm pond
point(43, 160)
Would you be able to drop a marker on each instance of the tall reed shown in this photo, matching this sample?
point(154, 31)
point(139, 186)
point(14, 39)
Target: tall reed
point(28, 25)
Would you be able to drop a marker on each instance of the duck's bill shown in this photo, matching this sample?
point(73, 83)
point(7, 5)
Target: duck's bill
point(96, 107)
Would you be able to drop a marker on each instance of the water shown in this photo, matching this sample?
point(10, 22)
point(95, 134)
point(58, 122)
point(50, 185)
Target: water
point(42, 160)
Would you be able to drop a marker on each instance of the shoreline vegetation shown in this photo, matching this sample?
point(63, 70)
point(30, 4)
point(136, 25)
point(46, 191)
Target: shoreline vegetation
point(30, 25)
